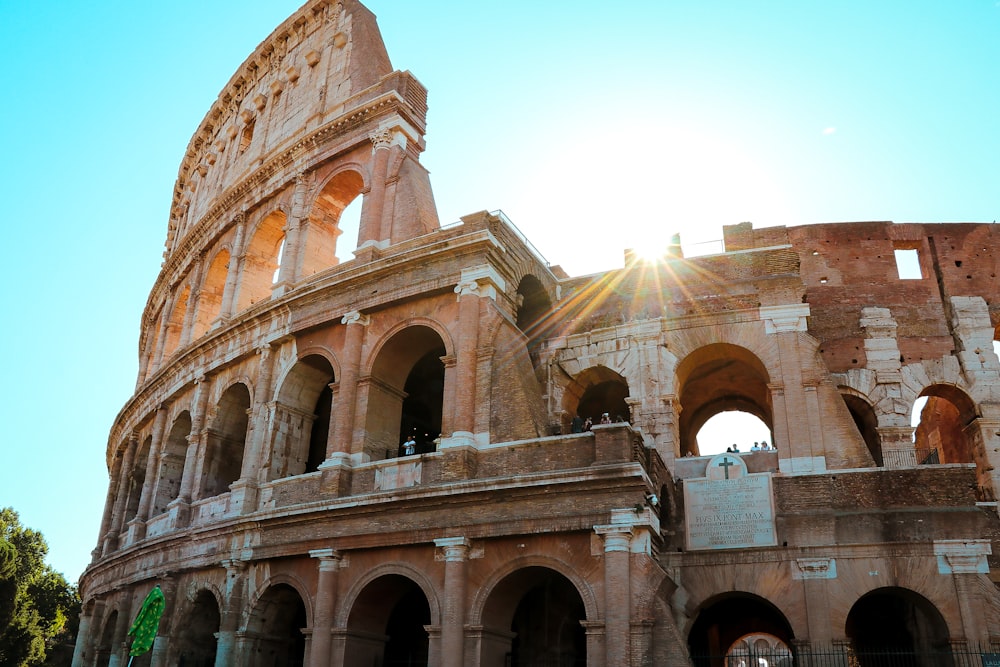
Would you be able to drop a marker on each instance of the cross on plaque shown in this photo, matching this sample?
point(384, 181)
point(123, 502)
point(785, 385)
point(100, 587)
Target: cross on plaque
point(725, 466)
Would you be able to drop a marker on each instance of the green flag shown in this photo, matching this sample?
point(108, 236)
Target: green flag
point(144, 628)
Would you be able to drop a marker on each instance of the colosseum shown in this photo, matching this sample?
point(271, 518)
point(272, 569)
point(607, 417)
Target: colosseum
point(368, 449)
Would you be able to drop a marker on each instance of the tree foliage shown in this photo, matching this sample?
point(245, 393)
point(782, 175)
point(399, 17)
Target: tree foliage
point(37, 605)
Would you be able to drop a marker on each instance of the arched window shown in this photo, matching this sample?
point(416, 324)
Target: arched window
point(720, 378)
point(406, 395)
point(276, 624)
point(332, 231)
point(226, 442)
point(210, 296)
point(594, 393)
point(534, 304)
point(302, 418)
point(260, 261)
point(940, 435)
point(195, 640)
point(137, 479)
point(387, 624)
point(168, 483)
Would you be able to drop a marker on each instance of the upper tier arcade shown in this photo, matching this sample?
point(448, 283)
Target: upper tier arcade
point(313, 119)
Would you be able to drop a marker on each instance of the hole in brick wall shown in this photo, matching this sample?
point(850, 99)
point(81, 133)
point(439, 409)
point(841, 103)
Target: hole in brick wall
point(958, 263)
point(908, 264)
point(854, 361)
point(823, 280)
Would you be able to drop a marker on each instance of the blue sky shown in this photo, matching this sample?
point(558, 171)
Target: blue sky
point(595, 128)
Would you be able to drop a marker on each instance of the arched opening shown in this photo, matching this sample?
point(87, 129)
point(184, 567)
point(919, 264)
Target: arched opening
point(387, 623)
point(276, 625)
point(534, 304)
point(406, 394)
point(941, 435)
point(302, 418)
point(726, 619)
point(720, 378)
point(226, 442)
point(867, 423)
point(168, 485)
point(733, 430)
point(329, 220)
point(759, 649)
point(137, 479)
point(898, 628)
point(106, 644)
point(196, 636)
point(260, 261)
point(534, 616)
point(175, 325)
point(210, 296)
point(594, 393)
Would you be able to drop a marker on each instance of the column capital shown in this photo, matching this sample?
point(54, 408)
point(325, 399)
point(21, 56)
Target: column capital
point(455, 549)
point(355, 317)
point(329, 559)
point(785, 319)
point(482, 280)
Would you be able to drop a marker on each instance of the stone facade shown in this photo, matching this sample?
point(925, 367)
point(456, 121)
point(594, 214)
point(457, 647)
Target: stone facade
point(258, 476)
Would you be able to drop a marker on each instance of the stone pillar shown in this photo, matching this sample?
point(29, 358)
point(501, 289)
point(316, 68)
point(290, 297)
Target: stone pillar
point(617, 593)
point(815, 575)
point(235, 263)
point(161, 645)
point(152, 472)
point(350, 370)
point(192, 305)
point(456, 554)
point(966, 562)
point(244, 490)
point(232, 610)
point(291, 256)
point(119, 648)
point(372, 229)
point(118, 513)
point(83, 650)
point(468, 340)
point(326, 599)
point(161, 334)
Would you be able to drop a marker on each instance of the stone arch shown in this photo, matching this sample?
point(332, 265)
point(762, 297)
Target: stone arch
point(321, 247)
point(213, 287)
point(533, 307)
point(721, 621)
point(406, 390)
point(898, 620)
point(535, 615)
point(175, 324)
point(274, 627)
point(301, 423)
point(941, 435)
point(260, 260)
point(195, 636)
point(720, 377)
point(386, 618)
point(106, 642)
point(595, 391)
point(137, 477)
point(168, 484)
point(227, 435)
point(865, 419)
point(581, 585)
point(401, 569)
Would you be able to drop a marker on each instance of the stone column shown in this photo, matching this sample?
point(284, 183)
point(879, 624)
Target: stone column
point(816, 575)
point(192, 305)
point(244, 490)
point(152, 472)
point(372, 229)
point(456, 554)
point(161, 645)
point(232, 610)
point(344, 425)
point(288, 272)
point(119, 649)
point(966, 562)
point(326, 599)
point(468, 340)
point(83, 650)
point(617, 593)
point(118, 513)
point(235, 262)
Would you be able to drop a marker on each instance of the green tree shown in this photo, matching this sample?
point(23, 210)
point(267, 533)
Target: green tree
point(37, 605)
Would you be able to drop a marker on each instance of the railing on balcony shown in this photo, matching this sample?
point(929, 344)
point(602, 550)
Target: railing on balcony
point(909, 457)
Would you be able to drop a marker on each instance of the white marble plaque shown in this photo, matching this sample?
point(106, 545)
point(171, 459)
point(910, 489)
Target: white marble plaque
point(729, 508)
point(397, 476)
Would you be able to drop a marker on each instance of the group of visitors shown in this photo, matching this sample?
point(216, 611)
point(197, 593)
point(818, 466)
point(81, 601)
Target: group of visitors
point(581, 425)
point(762, 446)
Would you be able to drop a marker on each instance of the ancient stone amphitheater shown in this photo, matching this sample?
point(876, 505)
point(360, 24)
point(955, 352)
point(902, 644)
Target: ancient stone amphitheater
point(262, 474)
